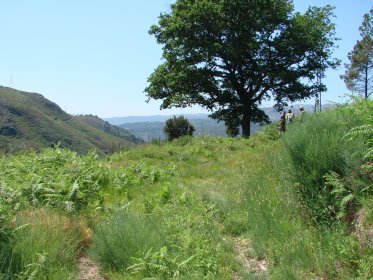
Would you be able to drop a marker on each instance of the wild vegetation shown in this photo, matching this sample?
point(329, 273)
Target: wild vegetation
point(297, 206)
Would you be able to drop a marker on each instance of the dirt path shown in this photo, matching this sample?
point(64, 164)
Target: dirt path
point(89, 270)
point(257, 267)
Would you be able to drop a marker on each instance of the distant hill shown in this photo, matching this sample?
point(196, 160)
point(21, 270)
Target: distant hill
point(270, 111)
point(154, 130)
point(150, 127)
point(154, 118)
point(106, 127)
point(30, 121)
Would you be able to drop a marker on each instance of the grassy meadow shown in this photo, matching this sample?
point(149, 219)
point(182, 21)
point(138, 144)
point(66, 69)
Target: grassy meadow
point(291, 206)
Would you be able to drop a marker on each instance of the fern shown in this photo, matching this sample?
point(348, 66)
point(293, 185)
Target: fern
point(342, 194)
point(362, 131)
point(36, 270)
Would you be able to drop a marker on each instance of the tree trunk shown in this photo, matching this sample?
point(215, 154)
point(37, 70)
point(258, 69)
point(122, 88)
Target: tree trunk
point(366, 82)
point(245, 125)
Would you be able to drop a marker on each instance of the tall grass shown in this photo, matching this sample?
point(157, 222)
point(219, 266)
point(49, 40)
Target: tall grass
point(44, 246)
point(124, 236)
point(318, 147)
point(176, 241)
point(278, 226)
point(183, 209)
point(228, 189)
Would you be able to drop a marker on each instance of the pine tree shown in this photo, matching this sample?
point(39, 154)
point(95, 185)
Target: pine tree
point(358, 76)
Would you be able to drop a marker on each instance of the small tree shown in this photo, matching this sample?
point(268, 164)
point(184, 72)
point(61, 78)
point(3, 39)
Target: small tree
point(358, 75)
point(176, 127)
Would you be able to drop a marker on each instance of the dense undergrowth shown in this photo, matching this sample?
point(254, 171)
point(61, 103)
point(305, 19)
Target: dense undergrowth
point(295, 207)
point(328, 161)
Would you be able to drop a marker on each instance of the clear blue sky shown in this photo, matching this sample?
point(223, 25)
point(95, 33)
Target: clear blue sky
point(92, 56)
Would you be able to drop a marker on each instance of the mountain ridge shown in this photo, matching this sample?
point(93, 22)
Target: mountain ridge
point(151, 127)
point(30, 121)
point(270, 111)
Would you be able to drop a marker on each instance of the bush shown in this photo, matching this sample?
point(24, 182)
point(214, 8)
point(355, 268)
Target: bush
point(318, 147)
point(176, 127)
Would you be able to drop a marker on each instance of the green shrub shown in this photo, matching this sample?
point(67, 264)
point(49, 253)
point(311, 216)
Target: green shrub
point(318, 147)
point(278, 225)
point(177, 127)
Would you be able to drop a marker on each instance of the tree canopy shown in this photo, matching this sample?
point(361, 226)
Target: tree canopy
point(229, 56)
point(358, 76)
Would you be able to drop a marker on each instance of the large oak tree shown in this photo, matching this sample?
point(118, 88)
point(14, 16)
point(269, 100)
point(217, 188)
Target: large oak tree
point(228, 56)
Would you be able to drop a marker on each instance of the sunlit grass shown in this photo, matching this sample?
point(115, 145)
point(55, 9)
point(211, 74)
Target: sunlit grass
point(194, 208)
point(45, 246)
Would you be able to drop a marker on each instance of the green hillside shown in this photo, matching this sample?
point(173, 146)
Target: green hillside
point(106, 127)
point(30, 121)
point(293, 206)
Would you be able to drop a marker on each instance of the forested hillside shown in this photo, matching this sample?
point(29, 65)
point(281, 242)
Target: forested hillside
point(293, 206)
point(30, 121)
point(106, 127)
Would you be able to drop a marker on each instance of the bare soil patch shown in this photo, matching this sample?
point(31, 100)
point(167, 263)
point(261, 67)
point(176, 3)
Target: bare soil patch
point(89, 270)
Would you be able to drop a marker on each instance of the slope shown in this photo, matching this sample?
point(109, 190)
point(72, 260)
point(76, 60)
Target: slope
point(106, 127)
point(30, 121)
point(198, 208)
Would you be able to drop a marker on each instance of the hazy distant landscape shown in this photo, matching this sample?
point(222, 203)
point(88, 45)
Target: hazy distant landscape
point(151, 127)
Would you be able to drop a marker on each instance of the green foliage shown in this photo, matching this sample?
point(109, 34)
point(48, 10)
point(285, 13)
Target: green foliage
point(228, 56)
point(191, 246)
point(198, 207)
point(232, 128)
point(9, 204)
point(177, 127)
point(279, 227)
point(362, 108)
point(318, 146)
point(168, 243)
point(55, 178)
